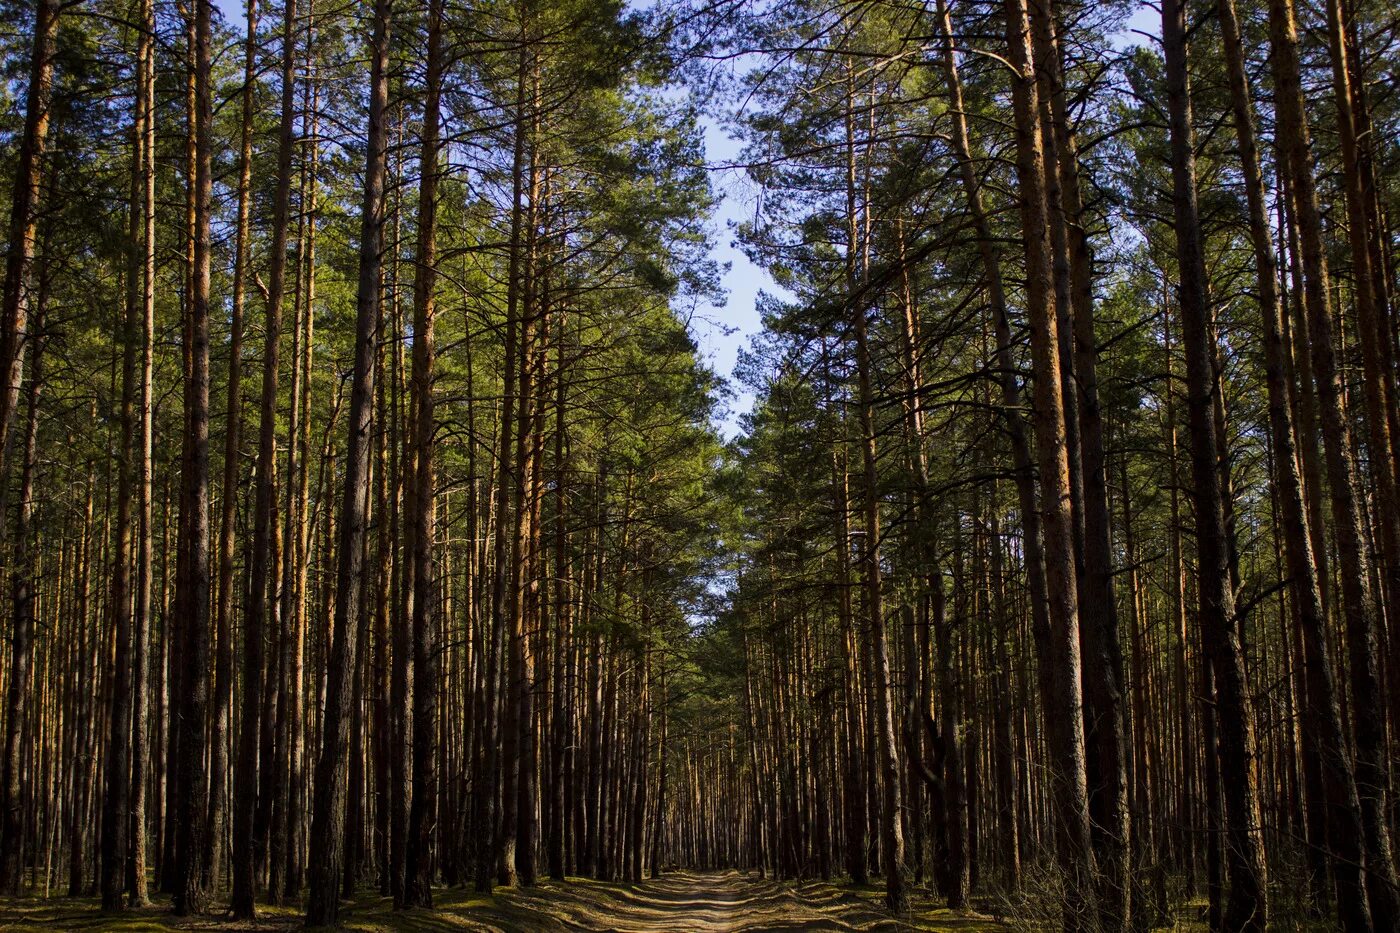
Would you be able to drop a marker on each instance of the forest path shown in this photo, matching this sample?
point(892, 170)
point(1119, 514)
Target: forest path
point(685, 902)
point(705, 902)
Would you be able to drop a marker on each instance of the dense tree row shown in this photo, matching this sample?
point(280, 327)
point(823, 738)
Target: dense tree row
point(356, 450)
point(1070, 556)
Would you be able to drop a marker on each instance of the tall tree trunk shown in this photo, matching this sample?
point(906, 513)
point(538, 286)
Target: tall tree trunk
point(396, 453)
point(87, 736)
point(13, 792)
point(1322, 715)
point(891, 794)
point(511, 482)
point(177, 615)
point(233, 429)
point(1381, 420)
point(14, 338)
point(190, 892)
point(418, 870)
point(1004, 743)
point(261, 593)
point(24, 219)
point(853, 784)
point(141, 744)
point(494, 834)
point(1011, 400)
point(1098, 620)
point(116, 820)
point(327, 829)
point(391, 657)
point(291, 715)
point(891, 834)
point(561, 713)
point(1354, 566)
point(1248, 903)
point(1060, 682)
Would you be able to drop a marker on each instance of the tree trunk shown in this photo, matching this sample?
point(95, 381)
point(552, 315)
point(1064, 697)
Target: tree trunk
point(1322, 715)
point(327, 823)
point(1380, 402)
point(13, 792)
point(261, 594)
point(418, 871)
point(853, 784)
point(1060, 682)
point(891, 830)
point(1247, 908)
point(291, 715)
point(561, 713)
point(14, 337)
point(1098, 619)
point(24, 220)
point(223, 615)
point(190, 893)
point(116, 819)
point(141, 745)
point(1354, 568)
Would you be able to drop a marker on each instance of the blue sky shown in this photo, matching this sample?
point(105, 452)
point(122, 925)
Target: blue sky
point(723, 331)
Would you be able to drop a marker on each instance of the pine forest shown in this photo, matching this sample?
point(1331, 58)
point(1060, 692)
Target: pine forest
point(705, 465)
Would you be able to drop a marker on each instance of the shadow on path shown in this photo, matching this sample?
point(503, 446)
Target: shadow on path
point(705, 903)
point(688, 902)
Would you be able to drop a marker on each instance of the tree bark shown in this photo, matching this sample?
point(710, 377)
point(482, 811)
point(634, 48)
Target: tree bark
point(262, 574)
point(1060, 682)
point(233, 429)
point(1248, 901)
point(327, 823)
point(1098, 616)
point(891, 793)
point(25, 203)
point(1322, 715)
point(14, 338)
point(14, 794)
point(116, 818)
point(1381, 420)
point(190, 892)
point(418, 871)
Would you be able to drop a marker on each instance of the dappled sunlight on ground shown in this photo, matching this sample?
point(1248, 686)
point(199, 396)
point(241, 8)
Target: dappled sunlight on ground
point(728, 902)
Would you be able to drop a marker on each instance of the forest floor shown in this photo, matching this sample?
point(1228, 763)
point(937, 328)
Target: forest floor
point(691, 902)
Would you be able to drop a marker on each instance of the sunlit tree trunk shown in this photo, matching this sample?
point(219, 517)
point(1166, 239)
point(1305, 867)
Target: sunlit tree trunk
point(1060, 684)
point(14, 340)
point(1098, 620)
